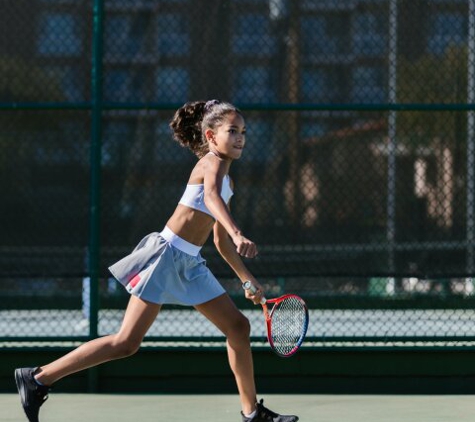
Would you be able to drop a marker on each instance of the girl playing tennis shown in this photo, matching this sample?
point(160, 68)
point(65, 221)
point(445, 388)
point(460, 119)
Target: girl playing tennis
point(167, 268)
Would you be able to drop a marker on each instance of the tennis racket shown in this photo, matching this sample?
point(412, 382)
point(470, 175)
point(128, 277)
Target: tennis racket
point(286, 323)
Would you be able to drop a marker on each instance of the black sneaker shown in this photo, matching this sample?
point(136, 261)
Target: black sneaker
point(265, 415)
point(32, 394)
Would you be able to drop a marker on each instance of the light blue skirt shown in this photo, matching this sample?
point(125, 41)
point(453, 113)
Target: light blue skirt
point(165, 269)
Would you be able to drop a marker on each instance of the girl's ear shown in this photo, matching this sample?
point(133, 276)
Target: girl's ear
point(209, 134)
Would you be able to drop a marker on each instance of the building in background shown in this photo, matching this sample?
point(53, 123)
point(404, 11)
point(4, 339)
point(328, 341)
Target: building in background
point(334, 55)
point(247, 51)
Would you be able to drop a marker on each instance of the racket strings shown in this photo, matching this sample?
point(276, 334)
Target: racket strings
point(289, 325)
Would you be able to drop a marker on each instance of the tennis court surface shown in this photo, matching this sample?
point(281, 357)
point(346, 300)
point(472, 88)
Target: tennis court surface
point(225, 408)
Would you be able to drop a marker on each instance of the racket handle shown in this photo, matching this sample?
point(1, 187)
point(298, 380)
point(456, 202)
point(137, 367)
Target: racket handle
point(247, 285)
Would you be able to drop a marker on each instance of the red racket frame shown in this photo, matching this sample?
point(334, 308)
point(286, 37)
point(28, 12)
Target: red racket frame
point(268, 317)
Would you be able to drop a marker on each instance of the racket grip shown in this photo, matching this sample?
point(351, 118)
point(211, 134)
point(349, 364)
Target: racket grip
point(247, 285)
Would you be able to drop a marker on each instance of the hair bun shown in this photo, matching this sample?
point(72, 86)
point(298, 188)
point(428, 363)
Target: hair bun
point(210, 104)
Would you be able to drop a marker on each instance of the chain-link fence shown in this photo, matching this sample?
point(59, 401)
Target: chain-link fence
point(357, 182)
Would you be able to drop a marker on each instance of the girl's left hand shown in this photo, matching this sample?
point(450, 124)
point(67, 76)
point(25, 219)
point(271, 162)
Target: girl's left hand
point(245, 247)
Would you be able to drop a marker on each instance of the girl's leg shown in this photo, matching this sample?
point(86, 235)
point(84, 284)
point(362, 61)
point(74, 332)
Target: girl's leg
point(223, 313)
point(138, 318)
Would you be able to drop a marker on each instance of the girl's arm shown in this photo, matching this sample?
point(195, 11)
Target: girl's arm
point(213, 177)
point(227, 250)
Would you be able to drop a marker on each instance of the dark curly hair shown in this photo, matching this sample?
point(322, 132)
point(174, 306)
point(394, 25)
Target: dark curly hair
point(192, 120)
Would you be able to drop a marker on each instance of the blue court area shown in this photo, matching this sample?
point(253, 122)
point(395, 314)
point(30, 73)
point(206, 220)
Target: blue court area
point(225, 408)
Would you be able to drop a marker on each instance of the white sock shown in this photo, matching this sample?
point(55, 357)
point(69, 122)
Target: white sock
point(251, 415)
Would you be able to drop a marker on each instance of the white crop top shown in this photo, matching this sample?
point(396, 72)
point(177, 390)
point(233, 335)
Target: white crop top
point(194, 196)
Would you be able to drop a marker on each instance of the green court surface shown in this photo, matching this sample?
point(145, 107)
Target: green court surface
point(225, 408)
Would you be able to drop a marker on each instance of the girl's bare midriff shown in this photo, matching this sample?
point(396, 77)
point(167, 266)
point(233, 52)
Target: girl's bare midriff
point(192, 225)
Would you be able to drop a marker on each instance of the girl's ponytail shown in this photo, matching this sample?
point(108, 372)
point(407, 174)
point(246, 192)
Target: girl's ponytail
point(186, 127)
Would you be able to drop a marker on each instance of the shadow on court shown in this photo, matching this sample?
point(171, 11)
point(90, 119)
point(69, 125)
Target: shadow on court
point(225, 408)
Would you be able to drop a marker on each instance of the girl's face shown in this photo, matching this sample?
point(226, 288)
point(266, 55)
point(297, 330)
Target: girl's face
point(228, 139)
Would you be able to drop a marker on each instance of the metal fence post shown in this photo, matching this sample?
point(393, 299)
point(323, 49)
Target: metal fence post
point(95, 179)
point(392, 143)
point(470, 144)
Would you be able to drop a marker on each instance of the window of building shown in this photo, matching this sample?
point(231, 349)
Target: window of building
point(368, 85)
point(251, 35)
point(313, 5)
point(116, 140)
point(446, 29)
point(324, 36)
point(252, 85)
point(126, 37)
point(172, 85)
point(126, 84)
point(321, 85)
point(369, 34)
point(313, 129)
point(260, 140)
point(59, 35)
point(172, 35)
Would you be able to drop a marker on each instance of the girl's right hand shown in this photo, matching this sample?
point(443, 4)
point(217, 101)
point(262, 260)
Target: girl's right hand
point(245, 247)
point(257, 296)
